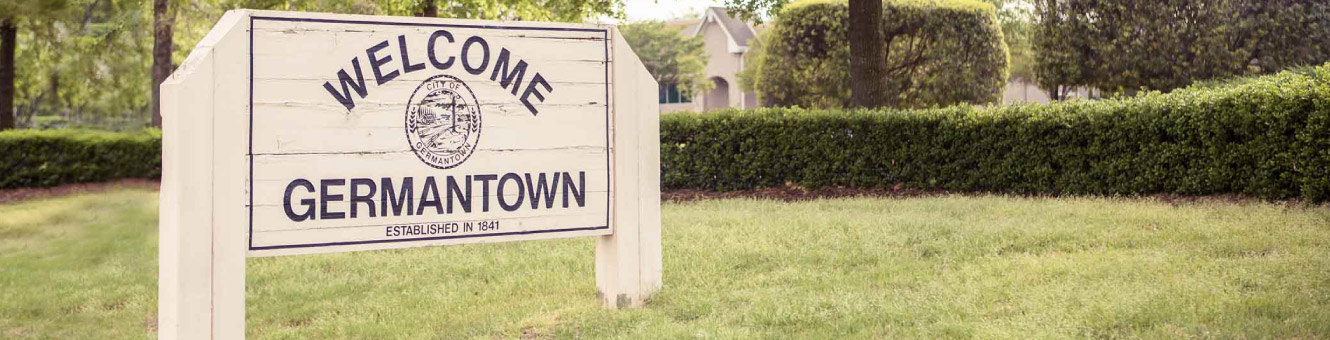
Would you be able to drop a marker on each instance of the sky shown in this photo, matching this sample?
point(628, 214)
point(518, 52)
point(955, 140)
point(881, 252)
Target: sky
point(638, 10)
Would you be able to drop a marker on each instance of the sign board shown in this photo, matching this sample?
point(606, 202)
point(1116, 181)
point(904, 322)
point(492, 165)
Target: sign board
point(407, 134)
point(295, 133)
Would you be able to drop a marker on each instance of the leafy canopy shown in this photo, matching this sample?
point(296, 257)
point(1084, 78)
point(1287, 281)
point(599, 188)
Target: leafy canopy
point(938, 53)
point(83, 60)
point(671, 57)
point(1015, 16)
point(1124, 46)
point(87, 62)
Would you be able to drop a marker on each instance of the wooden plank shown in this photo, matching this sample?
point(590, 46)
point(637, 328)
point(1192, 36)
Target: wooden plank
point(627, 267)
point(648, 182)
point(229, 122)
point(185, 273)
point(186, 281)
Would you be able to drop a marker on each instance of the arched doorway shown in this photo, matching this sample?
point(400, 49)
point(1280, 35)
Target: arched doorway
point(719, 96)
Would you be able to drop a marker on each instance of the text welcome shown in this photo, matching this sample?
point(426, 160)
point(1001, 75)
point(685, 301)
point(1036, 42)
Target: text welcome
point(503, 70)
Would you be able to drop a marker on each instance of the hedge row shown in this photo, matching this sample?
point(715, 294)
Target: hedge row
point(1267, 137)
point(37, 158)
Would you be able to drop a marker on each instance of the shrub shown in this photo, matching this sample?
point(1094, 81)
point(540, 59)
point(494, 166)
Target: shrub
point(668, 55)
point(1267, 137)
point(1121, 46)
point(939, 53)
point(36, 158)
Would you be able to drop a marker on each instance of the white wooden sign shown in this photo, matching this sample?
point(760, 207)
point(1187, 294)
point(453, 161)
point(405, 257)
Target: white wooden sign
point(295, 133)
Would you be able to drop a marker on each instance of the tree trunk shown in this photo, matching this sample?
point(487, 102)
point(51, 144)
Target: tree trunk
point(8, 44)
point(429, 9)
point(53, 101)
point(163, 27)
point(868, 63)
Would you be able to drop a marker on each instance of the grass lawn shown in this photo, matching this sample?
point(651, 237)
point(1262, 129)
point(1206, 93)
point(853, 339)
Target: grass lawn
point(84, 267)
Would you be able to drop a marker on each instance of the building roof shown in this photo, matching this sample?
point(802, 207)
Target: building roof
point(738, 31)
point(687, 26)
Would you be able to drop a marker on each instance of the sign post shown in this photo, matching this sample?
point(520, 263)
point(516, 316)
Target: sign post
point(298, 133)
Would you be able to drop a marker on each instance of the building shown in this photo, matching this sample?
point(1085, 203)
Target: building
point(725, 40)
point(1021, 91)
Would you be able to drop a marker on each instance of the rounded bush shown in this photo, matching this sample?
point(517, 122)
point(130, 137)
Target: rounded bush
point(938, 53)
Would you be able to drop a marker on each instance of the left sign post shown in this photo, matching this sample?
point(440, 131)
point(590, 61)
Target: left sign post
point(300, 133)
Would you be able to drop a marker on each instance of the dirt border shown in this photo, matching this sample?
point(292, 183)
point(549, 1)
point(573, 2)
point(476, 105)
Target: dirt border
point(23, 194)
point(795, 193)
point(792, 193)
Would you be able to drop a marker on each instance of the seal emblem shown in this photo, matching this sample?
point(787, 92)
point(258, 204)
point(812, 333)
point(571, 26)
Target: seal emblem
point(443, 121)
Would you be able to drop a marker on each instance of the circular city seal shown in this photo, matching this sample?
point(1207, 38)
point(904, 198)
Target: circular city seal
point(443, 122)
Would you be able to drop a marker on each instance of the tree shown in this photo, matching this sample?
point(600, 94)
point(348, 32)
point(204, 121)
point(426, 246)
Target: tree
point(14, 15)
point(11, 13)
point(163, 28)
point(755, 10)
point(1125, 46)
point(867, 48)
point(668, 55)
point(86, 64)
point(868, 62)
point(1017, 20)
point(8, 43)
point(429, 9)
point(527, 10)
point(935, 55)
point(97, 63)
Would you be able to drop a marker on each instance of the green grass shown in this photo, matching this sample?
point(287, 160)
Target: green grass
point(947, 267)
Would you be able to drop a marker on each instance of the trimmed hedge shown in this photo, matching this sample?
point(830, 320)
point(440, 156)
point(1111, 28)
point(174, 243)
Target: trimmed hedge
point(1267, 137)
point(38, 158)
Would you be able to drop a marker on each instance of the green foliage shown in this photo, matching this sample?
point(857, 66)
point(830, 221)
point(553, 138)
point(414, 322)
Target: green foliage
point(1122, 46)
point(53, 157)
point(938, 53)
point(199, 16)
point(671, 57)
point(30, 10)
point(88, 61)
point(1266, 137)
point(525, 10)
point(1016, 17)
point(755, 10)
point(83, 61)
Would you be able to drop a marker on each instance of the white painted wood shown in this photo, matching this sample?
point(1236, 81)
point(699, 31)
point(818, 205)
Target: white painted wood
point(302, 132)
point(185, 249)
point(229, 124)
point(628, 262)
point(247, 115)
point(199, 287)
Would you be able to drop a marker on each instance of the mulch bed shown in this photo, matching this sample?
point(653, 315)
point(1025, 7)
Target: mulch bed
point(791, 193)
point(21, 194)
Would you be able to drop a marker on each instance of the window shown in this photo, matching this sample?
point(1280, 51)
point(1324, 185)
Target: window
point(670, 94)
